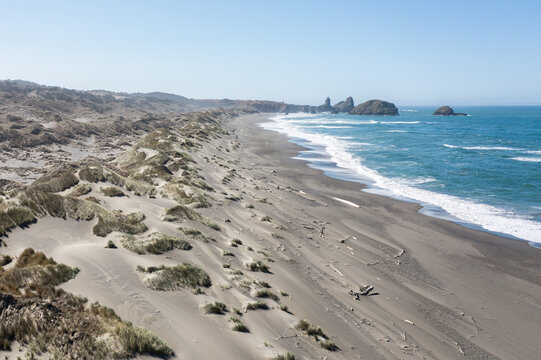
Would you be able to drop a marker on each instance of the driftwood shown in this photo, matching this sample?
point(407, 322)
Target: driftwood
point(335, 269)
point(364, 291)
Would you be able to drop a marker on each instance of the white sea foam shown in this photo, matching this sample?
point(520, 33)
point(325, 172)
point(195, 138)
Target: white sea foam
point(409, 110)
point(536, 152)
point(484, 148)
point(527, 159)
point(332, 127)
point(393, 122)
point(489, 217)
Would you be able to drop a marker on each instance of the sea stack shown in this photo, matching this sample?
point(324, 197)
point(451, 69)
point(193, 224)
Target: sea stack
point(375, 107)
point(447, 111)
point(344, 106)
point(326, 107)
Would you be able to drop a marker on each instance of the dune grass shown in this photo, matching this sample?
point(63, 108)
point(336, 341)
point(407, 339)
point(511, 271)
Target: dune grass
point(155, 243)
point(177, 277)
point(112, 191)
point(45, 319)
point(216, 308)
point(80, 190)
point(258, 305)
point(13, 216)
point(116, 221)
point(258, 265)
point(288, 356)
point(267, 294)
point(238, 325)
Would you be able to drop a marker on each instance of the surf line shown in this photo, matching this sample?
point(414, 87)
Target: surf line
point(346, 202)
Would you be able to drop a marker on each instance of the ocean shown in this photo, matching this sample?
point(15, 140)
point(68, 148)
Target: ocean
point(482, 170)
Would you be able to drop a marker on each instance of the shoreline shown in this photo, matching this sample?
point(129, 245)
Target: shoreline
point(331, 154)
point(470, 267)
point(504, 241)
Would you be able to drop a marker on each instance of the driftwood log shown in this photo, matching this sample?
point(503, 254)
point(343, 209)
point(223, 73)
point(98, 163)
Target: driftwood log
point(364, 291)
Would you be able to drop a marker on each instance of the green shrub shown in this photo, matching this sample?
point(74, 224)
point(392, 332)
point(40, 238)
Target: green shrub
point(266, 218)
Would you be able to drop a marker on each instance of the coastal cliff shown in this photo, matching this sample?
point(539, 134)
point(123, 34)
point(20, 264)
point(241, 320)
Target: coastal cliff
point(375, 107)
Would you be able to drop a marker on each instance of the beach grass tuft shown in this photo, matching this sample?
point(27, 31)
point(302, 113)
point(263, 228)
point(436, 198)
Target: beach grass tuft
point(172, 278)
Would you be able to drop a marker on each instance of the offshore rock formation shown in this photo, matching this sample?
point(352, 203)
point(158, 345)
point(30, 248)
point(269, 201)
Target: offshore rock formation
point(375, 107)
point(344, 106)
point(447, 111)
point(326, 107)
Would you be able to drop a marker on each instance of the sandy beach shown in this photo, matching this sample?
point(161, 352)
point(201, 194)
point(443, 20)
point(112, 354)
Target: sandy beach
point(441, 291)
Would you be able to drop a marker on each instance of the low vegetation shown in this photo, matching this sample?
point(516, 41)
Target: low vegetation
point(80, 190)
point(110, 245)
point(216, 308)
point(116, 221)
point(288, 356)
point(45, 319)
point(155, 243)
point(258, 265)
point(258, 305)
point(266, 294)
point(13, 216)
point(318, 335)
point(238, 325)
point(112, 191)
point(172, 278)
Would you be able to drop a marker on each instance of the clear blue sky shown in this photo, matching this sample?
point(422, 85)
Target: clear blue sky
point(409, 52)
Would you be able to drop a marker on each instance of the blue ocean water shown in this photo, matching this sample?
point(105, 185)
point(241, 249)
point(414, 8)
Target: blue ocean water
point(482, 170)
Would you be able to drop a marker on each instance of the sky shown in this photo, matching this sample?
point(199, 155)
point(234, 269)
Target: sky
point(408, 52)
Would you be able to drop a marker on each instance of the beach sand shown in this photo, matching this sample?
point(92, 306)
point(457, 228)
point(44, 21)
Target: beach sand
point(441, 291)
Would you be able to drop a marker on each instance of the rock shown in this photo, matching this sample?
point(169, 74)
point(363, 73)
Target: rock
point(447, 111)
point(326, 107)
point(374, 107)
point(344, 106)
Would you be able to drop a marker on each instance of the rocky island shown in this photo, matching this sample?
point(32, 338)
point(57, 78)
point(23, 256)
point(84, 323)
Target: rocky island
point(344, 106)
point(375, 107)
point(447, 111)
